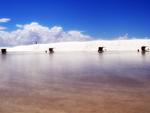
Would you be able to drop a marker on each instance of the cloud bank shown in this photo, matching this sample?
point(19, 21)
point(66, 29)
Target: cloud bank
point(34, 32)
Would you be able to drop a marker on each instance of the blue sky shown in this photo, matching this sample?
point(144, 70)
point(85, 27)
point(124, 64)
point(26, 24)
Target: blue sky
point(98, 18)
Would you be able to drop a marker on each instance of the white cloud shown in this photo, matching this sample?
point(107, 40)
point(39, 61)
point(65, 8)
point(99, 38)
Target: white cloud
point(4, 20)
point(2, 28)
point(19, 26)
point(30, 33)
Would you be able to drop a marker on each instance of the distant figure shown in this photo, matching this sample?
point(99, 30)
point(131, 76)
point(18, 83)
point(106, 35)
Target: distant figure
point(138, 50)
point(51, 50)
point(143, 48)
point(46, 51)
point(3, 51)
point(100, 49)
point(35, 42)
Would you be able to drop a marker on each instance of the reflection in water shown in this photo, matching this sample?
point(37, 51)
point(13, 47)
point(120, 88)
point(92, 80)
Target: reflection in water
point(75, 82)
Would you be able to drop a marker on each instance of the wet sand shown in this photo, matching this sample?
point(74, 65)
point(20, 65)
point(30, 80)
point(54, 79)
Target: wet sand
point(75, 83)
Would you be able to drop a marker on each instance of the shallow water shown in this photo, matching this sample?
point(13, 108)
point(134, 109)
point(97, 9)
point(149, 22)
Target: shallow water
point(75, 82)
